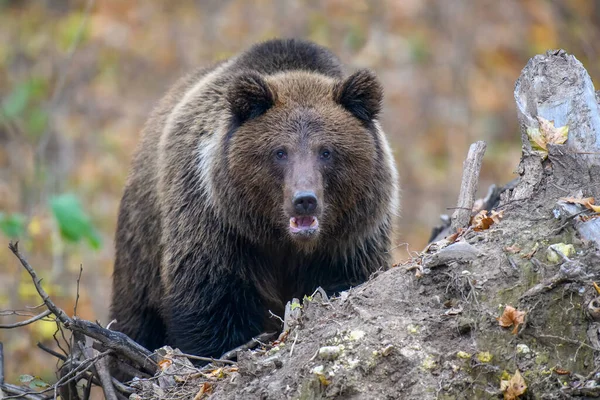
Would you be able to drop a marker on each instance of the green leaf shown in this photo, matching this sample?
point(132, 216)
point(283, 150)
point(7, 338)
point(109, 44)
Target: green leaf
point(34, 382)
point(73, 223)
point(23, 94)
point(36, 121)
point(16, 102)
point(37, 383)
point(26, 378)
point(12, 225)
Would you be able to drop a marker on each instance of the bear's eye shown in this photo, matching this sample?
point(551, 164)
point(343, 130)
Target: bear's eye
point(281, 154)
point(325, 154)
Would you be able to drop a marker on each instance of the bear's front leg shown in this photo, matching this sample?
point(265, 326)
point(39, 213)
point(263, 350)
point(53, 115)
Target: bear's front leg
point(212, 315)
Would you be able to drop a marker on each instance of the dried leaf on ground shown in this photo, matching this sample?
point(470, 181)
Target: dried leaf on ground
point(205, 389)
point(511, 316)
point(546, 134)
point(164, 364)
point(483, 220)
point(514, 387)
point(561, 371)
point(587, 202)
point(535, 248)
point(452, 238)
point(219, 373)
point(496, 216)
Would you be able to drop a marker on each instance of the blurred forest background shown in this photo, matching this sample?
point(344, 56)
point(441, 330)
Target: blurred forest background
point(78, 79)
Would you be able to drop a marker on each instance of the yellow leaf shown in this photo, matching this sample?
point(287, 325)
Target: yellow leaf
point(485, 356)
point(35, 226)
point(26, 290)
point(537, 140)
point(514, 387)
point(547, 133)
point(324, 381)
point(218, 373)
point(553, 135)
point(593, 208)
point(44, 330)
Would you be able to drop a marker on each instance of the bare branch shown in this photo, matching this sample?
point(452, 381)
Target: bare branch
point(76, 373)
point(21, 313)
point(56, 340)
point(51, 352)
point(27, 321)
point(88, 388)
point(249, 345)
point(17, 392)
point(82, 368)
point(35, 307)
point(60, 314)
point(112, 340)
point(106, 380)
point(116, 341)
point(102, 372)
point(1, 364)
point(122, 388)
point(468, 186)
point(207, 359)
point(77, 296)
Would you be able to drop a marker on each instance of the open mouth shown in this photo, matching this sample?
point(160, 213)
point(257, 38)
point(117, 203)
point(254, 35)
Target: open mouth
point(305, 225)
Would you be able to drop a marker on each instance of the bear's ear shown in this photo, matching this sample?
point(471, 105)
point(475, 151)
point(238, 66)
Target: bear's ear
point(361, 94)
point(249, 96)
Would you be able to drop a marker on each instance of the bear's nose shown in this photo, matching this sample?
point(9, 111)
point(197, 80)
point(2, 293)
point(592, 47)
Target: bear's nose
point(305, 202)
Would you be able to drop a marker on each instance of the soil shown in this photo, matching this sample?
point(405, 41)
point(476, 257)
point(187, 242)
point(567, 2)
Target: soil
point(401, 337)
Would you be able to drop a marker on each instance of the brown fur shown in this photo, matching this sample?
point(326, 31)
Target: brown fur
point(204, 249)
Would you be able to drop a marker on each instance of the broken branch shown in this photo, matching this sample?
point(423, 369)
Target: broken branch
point(468, 186)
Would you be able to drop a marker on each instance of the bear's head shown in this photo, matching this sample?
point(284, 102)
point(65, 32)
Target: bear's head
point(303, 158)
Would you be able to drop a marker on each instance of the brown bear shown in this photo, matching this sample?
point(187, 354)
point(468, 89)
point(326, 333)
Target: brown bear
point(256, 180)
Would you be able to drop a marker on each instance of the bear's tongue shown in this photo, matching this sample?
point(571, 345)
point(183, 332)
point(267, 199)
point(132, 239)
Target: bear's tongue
point(298, 224)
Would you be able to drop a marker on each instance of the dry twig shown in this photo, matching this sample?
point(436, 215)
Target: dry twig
point(27, 321)
point(468, 186)
point(78, 362)
point(116, 341)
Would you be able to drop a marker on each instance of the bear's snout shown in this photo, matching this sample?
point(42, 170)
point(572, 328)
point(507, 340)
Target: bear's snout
point(305, 202)
point(304, 224)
